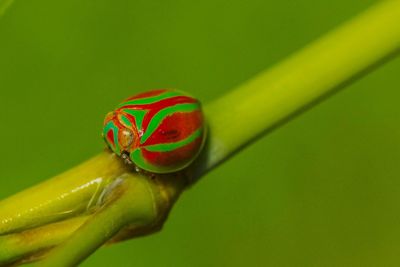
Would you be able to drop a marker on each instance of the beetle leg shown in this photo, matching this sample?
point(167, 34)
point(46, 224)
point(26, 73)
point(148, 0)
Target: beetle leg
point(126, 158)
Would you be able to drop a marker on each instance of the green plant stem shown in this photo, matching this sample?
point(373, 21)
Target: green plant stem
point(14, 247)
point(132, 205)
point(239, 117)
point(66, 195)
point(276, 94)
point(4, 5)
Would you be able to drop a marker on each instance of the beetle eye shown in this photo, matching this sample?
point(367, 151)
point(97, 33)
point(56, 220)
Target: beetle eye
point(126, 138)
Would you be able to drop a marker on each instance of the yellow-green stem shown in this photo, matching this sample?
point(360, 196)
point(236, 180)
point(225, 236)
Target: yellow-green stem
point(4, 5)
point(131, 204)
point(68, 194)
point(274, 95)
point(16, 247)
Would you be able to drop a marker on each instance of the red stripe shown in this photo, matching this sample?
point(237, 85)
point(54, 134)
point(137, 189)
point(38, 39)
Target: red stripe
point(175, 158)
point(161, 103)
point(176, 127)
point(110, 137)
point(147, 94)
point(156, 107)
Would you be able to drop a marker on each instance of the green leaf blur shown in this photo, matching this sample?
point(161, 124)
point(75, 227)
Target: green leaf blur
point(323, 190)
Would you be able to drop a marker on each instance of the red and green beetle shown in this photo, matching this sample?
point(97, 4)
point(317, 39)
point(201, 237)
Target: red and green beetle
point(160, 131)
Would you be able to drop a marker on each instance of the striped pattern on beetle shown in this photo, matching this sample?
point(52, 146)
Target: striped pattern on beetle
point(160, 131)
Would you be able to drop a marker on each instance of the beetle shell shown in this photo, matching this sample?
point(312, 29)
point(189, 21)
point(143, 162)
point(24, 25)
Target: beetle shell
point(160, 131)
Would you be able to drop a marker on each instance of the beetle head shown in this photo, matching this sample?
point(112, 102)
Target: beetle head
point(118, 134)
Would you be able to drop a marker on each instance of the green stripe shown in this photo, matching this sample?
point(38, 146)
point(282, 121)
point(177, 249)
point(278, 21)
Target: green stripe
point(151, 99)
point(111, 125)
point(160, 116)
point(172, 146)
point(126, 121)
point(138, 115)
point(138, 160)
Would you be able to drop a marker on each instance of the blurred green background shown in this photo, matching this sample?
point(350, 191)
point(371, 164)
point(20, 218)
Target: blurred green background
point(323, 190)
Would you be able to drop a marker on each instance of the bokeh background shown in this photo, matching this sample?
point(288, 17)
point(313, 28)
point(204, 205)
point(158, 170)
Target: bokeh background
point(323, 190)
